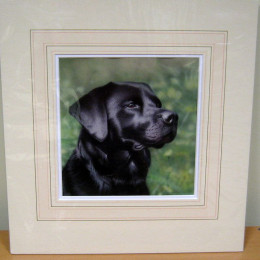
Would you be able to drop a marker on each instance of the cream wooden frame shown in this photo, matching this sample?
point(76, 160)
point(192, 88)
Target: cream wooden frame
point(46, 45)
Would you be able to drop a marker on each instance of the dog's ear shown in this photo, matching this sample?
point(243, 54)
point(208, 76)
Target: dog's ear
point(90, 111)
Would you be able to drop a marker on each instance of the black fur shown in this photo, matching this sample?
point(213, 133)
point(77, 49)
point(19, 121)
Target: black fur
point(120, 121)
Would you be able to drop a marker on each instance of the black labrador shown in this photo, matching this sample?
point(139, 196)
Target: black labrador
point(120, 121)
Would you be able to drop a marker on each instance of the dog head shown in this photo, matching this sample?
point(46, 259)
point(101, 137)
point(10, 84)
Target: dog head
point(128, 113)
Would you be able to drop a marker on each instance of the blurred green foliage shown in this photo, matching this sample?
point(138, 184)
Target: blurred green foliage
point(174, 80)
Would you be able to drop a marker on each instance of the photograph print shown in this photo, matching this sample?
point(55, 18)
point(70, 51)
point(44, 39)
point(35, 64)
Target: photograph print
point(128, 124)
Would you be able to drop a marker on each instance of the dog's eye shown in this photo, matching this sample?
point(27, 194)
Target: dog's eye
point(132, 105)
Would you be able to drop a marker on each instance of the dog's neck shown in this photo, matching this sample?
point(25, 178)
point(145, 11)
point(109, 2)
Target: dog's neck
point(113, 161)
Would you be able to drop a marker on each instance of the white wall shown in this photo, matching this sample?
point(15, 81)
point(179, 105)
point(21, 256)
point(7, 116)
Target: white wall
point(253, 206)
point(253, 197)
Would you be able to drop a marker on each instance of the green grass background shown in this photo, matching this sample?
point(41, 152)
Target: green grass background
point(175, 82)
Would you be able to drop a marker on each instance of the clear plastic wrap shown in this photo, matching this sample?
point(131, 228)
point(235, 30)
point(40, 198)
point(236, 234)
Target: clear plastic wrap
point(124, 134)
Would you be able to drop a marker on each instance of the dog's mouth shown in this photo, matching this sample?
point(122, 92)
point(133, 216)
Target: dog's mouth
point(155, 139)
point(134, 145)
point(156, 143)
point(164, 140)
point(138, 147)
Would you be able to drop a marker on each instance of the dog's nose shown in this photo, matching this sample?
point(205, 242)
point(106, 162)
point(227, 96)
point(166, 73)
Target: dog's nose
point(169, 118)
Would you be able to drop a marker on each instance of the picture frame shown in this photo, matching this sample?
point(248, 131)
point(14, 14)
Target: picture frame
point(209, 52)
point(42, 220)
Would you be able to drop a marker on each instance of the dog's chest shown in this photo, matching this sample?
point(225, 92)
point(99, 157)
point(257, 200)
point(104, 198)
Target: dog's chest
point(131, 179)
point(130, 167)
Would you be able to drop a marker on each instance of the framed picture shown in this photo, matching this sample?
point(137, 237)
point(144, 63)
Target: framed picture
point(122, 140)
point(177, 82)
point(179, 78)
